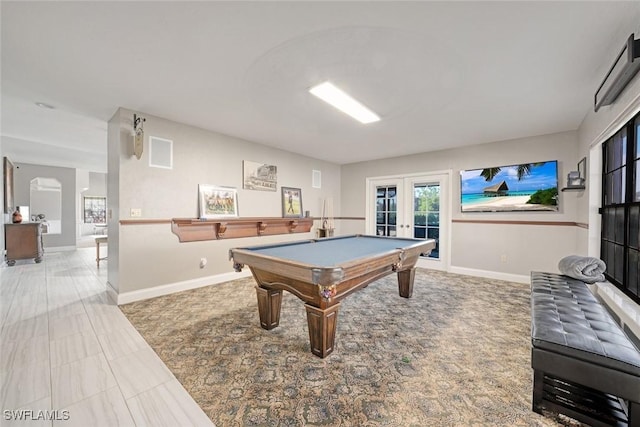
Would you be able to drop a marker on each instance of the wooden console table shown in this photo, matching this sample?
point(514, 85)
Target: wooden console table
point(194, 230)
point(23, 241)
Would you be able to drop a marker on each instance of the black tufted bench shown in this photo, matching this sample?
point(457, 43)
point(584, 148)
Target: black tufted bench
point(584, 366)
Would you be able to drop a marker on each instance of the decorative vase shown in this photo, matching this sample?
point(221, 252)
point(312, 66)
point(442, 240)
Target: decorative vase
point(17, 216)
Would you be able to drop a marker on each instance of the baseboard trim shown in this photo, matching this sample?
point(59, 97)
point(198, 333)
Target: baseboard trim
point(171, 288)
point(112, 293)
point(59, 248)
point(432, 264)
point(518, 278)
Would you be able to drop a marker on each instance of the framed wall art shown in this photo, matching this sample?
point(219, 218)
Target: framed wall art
point(217, 202)
point(523, 187)
point(259, 176)
point(291, 202)
point(582, 168)
point(8, 185)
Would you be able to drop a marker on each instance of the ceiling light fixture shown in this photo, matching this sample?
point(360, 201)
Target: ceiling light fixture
point(625, 67)
point(43, 105)
point(343, 102)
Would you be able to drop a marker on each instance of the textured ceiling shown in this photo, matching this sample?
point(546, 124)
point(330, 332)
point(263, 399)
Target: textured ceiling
point(441, 74)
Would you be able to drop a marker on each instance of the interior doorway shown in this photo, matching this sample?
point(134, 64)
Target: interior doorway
point(45, 199)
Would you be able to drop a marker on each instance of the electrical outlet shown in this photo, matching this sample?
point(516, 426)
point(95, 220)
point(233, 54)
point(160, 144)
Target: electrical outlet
point(503, 258)
point(136, 213)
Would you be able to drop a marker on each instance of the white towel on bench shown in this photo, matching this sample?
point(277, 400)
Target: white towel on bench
point(587, 269)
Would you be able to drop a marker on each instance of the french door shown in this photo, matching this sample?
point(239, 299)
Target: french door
point(412, 206)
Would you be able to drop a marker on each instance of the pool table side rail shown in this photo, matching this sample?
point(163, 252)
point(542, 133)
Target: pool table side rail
point(294, 269)
point(257, 250)
point(396, 259)
point(325, 293)
point(411, 241)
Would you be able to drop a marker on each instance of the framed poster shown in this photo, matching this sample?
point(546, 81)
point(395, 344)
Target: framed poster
point(217, 202)
point(291, 202)
point(259, 176)
point(582, 168)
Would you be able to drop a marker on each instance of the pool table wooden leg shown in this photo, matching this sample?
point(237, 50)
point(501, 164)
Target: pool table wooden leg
point(405, 282)
point(269, 302)
point(322, 328)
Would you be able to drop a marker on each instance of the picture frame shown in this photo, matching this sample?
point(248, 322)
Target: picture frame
point(217, 202)
point(8, 185)
point(292, 202)
point(530, 186)
point(259, 176)
point(582, 168)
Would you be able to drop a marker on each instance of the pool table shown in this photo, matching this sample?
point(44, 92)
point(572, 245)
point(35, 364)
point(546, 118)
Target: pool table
point(322, 272)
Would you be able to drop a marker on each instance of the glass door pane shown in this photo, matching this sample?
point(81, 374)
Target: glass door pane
point(426, 214)
point(386, 210)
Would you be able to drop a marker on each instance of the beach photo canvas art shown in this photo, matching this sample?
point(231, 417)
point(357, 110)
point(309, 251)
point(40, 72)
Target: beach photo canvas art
point(523, 187)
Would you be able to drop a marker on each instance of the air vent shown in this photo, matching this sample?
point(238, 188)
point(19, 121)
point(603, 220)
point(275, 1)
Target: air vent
point(160, 152)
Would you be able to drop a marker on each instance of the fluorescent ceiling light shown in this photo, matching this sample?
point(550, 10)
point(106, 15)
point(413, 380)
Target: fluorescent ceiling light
point(343, 102)
point(44, 105)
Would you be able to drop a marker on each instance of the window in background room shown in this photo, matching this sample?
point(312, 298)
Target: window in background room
point(95, 210)
point(620, 234)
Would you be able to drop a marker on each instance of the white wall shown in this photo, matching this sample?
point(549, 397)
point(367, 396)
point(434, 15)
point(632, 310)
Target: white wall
point(150, 255)
point(596, 128)
point(4, 215)
point(23, 173)
point(143, 257)
point(116, 130)
point(478, 248)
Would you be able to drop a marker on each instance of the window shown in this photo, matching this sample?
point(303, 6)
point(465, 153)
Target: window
point(620, 234)
point(386, 210)
point(95, 210)
point(426, 214)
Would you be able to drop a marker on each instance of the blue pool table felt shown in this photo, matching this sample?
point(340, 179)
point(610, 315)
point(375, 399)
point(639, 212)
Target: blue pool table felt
point(332, 252)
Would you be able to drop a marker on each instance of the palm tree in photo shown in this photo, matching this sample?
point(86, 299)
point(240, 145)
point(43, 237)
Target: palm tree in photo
point(522, 170)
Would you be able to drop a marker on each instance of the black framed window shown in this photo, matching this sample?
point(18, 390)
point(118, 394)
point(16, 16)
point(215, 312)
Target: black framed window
point(95, 210)
point(620, 231)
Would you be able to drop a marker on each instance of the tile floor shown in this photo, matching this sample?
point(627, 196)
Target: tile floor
point(66, 351)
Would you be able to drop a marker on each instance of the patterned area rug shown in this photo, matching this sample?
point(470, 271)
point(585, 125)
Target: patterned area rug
point(456, 354)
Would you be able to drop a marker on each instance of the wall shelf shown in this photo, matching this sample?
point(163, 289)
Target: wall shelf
point(195, 230)
point(573, 188)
